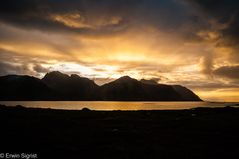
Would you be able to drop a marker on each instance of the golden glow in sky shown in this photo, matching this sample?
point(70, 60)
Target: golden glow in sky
point(107, 40)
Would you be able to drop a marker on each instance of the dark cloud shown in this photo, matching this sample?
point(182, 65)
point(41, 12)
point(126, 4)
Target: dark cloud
point(39, 69)
point(12, 63)
point(102, 17)
point(231, 72)
point(38, 14)
point(206, 85)
point(6, 68)
point(22, 69)
point(207, 64)
point(211, 86)
point(223, 23)
point(98, 17)
point(226, 15)
point(16, 58)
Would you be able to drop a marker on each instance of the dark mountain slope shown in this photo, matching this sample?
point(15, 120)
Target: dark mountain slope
point(71, 87)
point(15, 87)
point(186, 93)
point(128, 89)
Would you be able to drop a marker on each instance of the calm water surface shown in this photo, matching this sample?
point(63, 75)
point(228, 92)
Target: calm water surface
point(99, 105)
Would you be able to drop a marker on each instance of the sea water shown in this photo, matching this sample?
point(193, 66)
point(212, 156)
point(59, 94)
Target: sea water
point(114, 105)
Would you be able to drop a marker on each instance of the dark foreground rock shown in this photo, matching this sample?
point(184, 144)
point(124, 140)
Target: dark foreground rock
point(188, 134)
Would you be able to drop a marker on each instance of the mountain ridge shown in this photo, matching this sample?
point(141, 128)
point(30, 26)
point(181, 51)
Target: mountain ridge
point(59, 86)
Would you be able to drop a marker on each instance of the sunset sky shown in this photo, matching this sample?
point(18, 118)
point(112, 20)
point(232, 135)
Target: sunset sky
point(189, 42)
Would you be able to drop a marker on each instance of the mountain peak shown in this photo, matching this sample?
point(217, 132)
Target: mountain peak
point(55, 74)
point(75, 76)
point(125, 78)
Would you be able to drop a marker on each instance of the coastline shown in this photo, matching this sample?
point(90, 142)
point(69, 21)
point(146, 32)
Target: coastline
point(50, 133)
point(116, 105)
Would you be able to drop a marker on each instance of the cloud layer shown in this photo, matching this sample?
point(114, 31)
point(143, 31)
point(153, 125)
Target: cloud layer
point(189, 42)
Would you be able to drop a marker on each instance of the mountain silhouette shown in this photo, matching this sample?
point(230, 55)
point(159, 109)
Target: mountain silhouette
point(15, 87)
point(58, 86)
point(126, 88)
point(186, 93)
point(71, 87)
